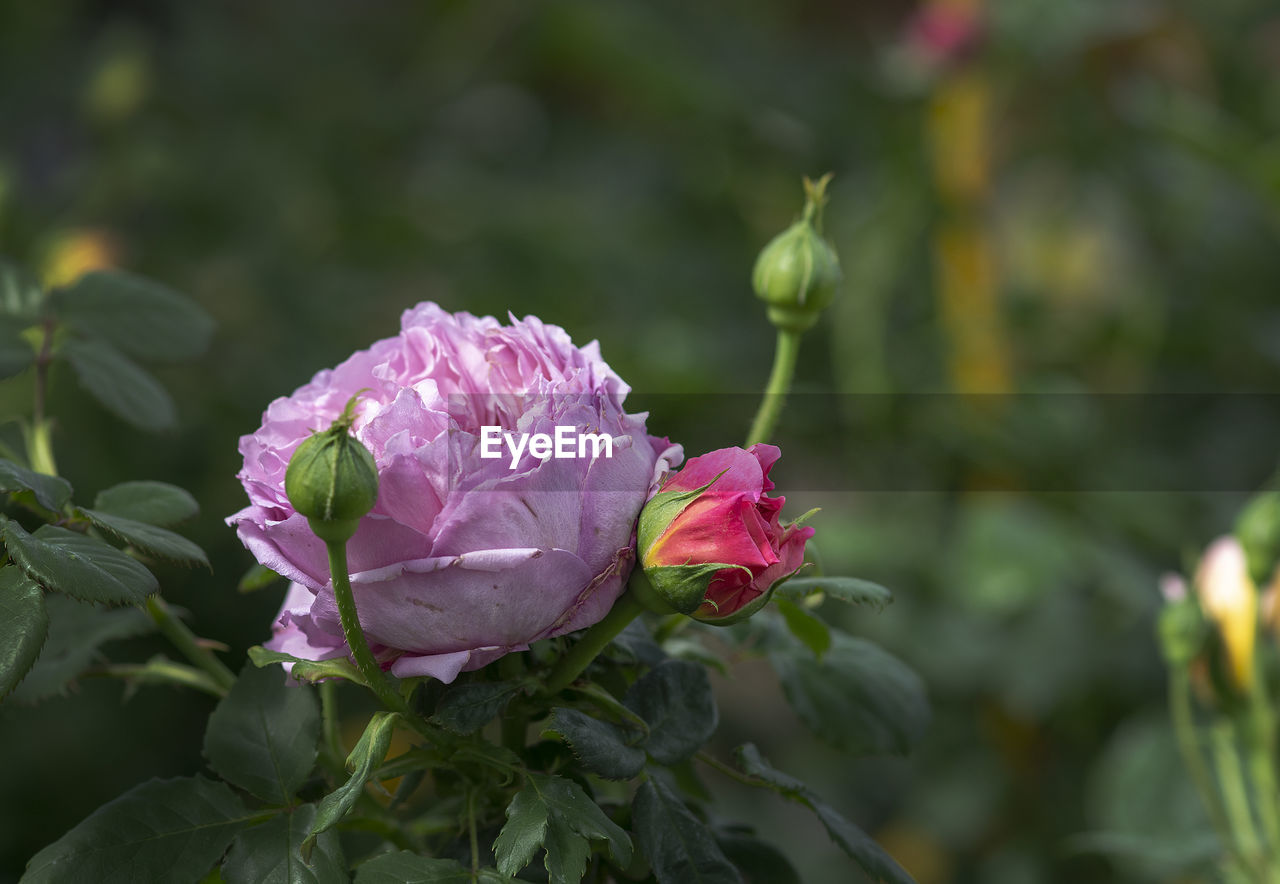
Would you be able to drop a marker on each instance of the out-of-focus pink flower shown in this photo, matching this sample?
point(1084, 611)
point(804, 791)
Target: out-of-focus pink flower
point(942, 33)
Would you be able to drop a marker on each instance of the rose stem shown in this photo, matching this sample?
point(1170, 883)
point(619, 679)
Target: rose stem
point(514, 722)
point(1236, 798)
point(354, 634)
point(329, 718)
point(775, 394)
point(1260, 739)
point(593, 641)
point(185, 641)
point(1184, 729)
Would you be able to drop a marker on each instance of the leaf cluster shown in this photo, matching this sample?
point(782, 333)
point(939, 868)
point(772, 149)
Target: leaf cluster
point(101, 325)
point(73, 576)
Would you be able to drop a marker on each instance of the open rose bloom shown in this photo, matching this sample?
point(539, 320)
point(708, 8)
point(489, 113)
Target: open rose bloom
point(463, 558)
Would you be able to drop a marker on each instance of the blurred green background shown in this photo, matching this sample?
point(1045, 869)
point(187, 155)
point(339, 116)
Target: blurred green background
point(1031, 196)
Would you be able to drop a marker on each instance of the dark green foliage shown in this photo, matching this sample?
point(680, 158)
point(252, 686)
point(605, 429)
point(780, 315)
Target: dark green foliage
point(466, 707)
point(16, 352)
point(151, 540)
point(77, 564)
point(857, 697)
point(675, 700)
point(51, 492)
point(759, 862)
point(263, 735)
point(137, 316)
point(363, 761)
point(403, 867)
point(804, 626)
point(557, 814)
point(846, 589)
point(24, 625)
point(77, 631)
point(120, 385)
point(156, 503)
point(306, 670)
point(603, 748)
point(163, 830)
point(878, 865)
point(679, 847)
point(271, 853)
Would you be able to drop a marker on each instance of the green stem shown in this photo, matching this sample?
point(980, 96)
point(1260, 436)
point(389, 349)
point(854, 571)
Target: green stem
point(333, 749)
point(185, 641)
point(354, 634)
point(365, 663)
point(1235, 798)
point(161, 672)
point(1261, 760)
point(410, 761)
point(1184, 729)
point(775, 394)
point(514, 721)
point(607, 702)
point(744, 778)
point(471, 830)
point(593, 641)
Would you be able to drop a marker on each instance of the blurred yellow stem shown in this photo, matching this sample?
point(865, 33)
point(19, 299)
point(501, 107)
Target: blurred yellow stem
point(959, 141)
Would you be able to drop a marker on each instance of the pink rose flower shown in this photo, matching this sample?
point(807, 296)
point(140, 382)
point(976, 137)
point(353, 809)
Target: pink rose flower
point(465, 557)
point(711, 542)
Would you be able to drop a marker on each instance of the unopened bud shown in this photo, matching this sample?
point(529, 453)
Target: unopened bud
point(1229, 599)
point(798, 272)
point(333, 480)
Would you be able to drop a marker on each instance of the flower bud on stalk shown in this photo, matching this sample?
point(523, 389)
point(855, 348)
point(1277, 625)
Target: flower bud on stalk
point(798, 272)
point(1229, 599)
point(710, 541)
point(333, 480)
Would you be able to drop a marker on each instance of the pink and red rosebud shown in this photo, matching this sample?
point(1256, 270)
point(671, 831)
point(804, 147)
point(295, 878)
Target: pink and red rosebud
point(710, 541)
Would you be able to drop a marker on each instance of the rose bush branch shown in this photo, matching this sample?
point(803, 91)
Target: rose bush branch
point(594, 640)
point(333, 481)
point(464, 576)
point(185, 640)
point(1208, 634)
point(797, 275)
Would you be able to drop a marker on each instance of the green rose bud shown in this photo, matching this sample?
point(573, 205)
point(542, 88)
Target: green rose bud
point(798, 272)
point(332, 480)
point(1258, 530)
